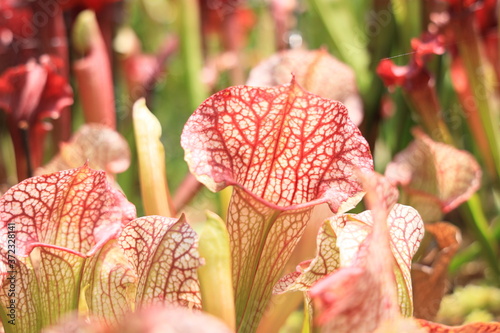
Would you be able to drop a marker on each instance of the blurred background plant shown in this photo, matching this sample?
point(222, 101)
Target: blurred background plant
point(433, 64)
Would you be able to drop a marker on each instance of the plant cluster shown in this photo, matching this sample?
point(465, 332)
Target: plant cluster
point(349, 191)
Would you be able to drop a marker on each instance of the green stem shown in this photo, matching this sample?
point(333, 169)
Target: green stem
point(265, 41)
point(481, 77)
point(191, 51)
point(478, 223)
point(307, 326)
point(409, 24)
point(347, 37)
point(467, 255)
point(380, 46)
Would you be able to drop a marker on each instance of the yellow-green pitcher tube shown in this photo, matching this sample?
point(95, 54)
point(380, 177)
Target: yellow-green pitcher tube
point(151, 157)
point(215, 276)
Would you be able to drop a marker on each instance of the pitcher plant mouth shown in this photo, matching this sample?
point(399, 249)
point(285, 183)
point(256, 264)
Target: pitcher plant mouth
point(284, 150)
point(255, 117)
point(84, 228)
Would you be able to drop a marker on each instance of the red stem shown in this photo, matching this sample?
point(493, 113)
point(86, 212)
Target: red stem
point(466, 98)
point(186, 192)
point(95, 82)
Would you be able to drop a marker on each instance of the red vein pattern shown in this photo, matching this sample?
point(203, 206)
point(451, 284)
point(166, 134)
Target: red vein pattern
point(68, 216)
point(328, 259)
point(163, 253)
point(361, 294)
point(28, 319)
point(325, 262)
point(72, 210)
point(284, 145)
point(58, 280)
point(285, 150)
point(353, 285)
point(406, 231)
point(111, 283)
point(375, 248)
point(437, 177)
